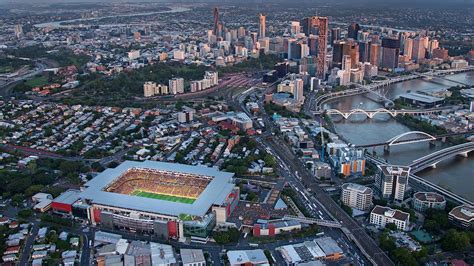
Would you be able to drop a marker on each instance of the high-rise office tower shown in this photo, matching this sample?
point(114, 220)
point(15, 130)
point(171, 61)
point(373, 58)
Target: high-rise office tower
point(306, 26)
point(337, 53)
point(335, 34)
point(295, 27)
point(346, 62)
point(364, 51)
point(351, 48)
point(313, 45)
point(434, 44)
point(261, 29)
point(374, 54)
point(321, 23)
point(353, 31)
point(420, 44)
point(216, 20)
point(408, 48)
point(298, 93)
point(390, 53)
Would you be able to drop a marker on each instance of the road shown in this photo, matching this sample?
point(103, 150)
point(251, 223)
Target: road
point(5, 88)
point(28, 245)
point(322, 199)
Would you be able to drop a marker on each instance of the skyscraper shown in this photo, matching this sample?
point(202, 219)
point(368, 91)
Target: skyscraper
point(351, 48)
point(346, 63)
point(420, 44)
point(408, 48)
point(313, 45)
point(337, 48)
point(295, 27)
point(364, 51)
point(375, 54)
point(321, 23)
point(353, 31)
point(216, 20)
point(390, 53)
point(261, 29)
point(335, 34)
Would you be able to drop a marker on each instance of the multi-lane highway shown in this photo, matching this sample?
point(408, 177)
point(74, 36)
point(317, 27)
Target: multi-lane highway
point(317, 202)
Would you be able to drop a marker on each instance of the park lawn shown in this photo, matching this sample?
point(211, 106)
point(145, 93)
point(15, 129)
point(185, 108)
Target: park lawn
point(144, 194)
point(37, 81)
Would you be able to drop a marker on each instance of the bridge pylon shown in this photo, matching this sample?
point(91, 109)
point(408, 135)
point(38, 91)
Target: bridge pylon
point(386, 148)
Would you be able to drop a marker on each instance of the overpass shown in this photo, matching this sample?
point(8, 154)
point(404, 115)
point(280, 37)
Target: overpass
point(321, 100)
point(431, 160)
point(428, 76)
point(308, 220)
point(392, 112)
point(420, 137)
point(416, 181)
point(439, 74)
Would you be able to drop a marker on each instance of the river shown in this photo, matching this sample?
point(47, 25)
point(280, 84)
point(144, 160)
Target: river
point(57, 24)
point(455, 174)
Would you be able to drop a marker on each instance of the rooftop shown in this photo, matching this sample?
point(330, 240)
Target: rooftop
point(328, 245)
point(215, 193)
point(464, 212)
point(429, 196)
point(419, 97)
point(356, 187)
point(192, 256)
point(255, 256)
point(389, 212)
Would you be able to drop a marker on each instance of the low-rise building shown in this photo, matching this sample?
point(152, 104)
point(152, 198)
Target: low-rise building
point(381, 216)
point(275, 228)
point(193, 257)
point(247, 257)
point(462, 216)
point(428, 200)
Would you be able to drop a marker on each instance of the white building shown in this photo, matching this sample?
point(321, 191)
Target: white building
point(381, 216)
point(152, 89)
point(428, 200)
point(176, 85)
point(392, 181)
point(134, 54)
point(356, 196)
point(247, 257)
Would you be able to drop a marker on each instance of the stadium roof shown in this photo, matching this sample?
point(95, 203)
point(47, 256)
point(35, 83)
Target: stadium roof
point(215, 193)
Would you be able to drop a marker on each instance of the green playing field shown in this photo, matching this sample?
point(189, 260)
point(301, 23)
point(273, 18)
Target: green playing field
point(144, 194)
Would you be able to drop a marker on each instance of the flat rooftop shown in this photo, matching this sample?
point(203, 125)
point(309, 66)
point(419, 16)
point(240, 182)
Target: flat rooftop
point(215, 193)
point(423, 98)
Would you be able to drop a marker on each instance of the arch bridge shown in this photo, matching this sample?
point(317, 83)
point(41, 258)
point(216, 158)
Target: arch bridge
point(371, 113)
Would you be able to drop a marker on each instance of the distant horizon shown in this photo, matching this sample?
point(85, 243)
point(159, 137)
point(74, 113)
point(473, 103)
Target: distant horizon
point(432, 3)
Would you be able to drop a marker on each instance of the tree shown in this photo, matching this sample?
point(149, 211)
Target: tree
point(25, 213)
point(33, 190)
point(386, 242)
point(403, 256)
point(391, 226)
point(455, 241)
point(225, 237)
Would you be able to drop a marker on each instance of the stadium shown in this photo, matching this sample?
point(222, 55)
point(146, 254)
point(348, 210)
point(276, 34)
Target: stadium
point(163, 199)
point(158, 184)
